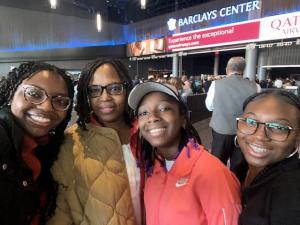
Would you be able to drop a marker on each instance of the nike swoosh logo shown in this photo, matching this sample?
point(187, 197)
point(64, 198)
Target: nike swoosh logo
point(181, 182)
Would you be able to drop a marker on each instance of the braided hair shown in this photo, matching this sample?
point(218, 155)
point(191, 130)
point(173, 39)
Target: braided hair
point(46, 154)
point(148, 155)
point(83, 107)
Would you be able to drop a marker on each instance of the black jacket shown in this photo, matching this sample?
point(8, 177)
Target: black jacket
point(273, 198)
point(19, 195)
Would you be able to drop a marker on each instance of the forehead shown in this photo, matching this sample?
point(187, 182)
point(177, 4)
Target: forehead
point(272, 106)
point(105, 74)
point(48, 80)
point(154, 98)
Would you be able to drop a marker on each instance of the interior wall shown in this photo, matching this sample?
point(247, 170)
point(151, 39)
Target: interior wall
point(28, 30)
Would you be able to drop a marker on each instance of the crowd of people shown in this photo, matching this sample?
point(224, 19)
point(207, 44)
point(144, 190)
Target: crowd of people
point(134, 158)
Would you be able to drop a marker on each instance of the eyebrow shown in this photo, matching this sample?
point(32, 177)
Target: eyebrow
point(168, 101)
point(65, 94)
point(277, 119)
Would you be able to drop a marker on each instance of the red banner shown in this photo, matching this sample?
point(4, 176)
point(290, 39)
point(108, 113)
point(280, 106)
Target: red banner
point(216, 36)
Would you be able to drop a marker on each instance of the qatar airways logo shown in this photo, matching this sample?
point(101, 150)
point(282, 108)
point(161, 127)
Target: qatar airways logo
point(287, 25)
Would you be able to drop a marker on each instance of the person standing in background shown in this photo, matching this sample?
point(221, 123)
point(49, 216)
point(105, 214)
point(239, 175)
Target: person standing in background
point(225, 98)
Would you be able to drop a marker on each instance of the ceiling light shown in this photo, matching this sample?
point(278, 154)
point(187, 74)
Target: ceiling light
point(143, 4)
point(99, 22)
point(53, 4)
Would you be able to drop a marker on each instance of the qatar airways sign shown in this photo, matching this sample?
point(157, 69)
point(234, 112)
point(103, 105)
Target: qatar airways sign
point(247, 7)
point(280, 27)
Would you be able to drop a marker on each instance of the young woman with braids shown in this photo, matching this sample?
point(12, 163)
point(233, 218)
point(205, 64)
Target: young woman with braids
point(34, 113)
point(97, 170)
point(185, 183)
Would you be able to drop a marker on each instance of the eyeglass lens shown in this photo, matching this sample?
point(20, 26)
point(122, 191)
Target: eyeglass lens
point(38, 95)
point(273, 130)
point(112, 89)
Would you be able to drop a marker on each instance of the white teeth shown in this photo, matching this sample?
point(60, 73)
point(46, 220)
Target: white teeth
point(40, 119)
point(157, 131)
point(258, 149)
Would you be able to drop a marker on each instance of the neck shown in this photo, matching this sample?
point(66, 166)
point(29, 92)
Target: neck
point(170, 152)
point(234, 73)
point(251, 174)
point(122, 128)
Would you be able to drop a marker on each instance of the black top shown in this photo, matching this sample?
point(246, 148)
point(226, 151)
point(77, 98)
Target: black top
point(273, 198)
point(19, 194)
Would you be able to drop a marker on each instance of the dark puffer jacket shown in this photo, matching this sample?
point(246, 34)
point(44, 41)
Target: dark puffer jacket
point(19, 194)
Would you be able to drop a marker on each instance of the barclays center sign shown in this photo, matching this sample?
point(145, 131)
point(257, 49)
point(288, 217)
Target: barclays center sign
point(232, 10)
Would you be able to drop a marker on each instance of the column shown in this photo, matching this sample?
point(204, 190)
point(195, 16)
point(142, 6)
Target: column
point(262, 61)
point(216, 63)
point(251, 61)
point(175, 65)
point(179, 65)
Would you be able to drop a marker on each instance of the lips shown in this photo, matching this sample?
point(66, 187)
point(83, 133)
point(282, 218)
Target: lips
point(258, 151)
point(154, 132)
point(106, 110)
point(40, 119)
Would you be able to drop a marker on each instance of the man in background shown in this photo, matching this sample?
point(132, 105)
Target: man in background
point(225, 98)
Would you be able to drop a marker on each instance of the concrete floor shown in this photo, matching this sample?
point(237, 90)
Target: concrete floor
point(204, 132)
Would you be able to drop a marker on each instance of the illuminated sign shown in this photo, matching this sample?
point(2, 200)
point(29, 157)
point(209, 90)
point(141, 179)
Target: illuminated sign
point(213, 14)
point(231, 34)
point(280, 27)
point(270, 28)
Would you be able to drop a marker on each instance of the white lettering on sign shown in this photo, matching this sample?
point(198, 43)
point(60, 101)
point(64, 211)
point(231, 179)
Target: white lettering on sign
point(240, 8)
point(214, 14)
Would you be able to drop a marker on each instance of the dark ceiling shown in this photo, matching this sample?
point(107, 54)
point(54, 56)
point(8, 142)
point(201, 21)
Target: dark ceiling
point(119, 11)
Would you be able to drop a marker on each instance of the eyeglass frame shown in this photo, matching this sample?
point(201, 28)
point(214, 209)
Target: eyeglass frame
point(123, 85)
point(265, 128)
point(51, 97)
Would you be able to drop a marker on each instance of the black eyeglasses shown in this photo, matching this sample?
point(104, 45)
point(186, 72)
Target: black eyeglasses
point(111, 89)
point(273, 130)
point(37, 96)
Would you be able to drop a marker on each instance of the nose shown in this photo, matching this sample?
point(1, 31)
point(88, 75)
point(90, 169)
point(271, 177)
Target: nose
point(261, 132)
point(153, 117)
point(46, 105)
point(105, 96)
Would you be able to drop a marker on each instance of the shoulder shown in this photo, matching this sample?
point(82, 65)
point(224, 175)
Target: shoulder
point(288, 180)
point(210, 167)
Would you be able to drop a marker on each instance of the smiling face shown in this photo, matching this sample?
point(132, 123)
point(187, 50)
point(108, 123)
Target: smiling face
point(38, 120)
point(258, 149)
point(160, 123)
point(108, 108)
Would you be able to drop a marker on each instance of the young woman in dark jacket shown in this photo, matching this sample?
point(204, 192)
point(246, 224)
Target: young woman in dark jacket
point(268, 135)
point(34, 113)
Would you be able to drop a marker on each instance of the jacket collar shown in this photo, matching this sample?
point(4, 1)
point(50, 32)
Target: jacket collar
point(185, 162)
point(275, 169)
